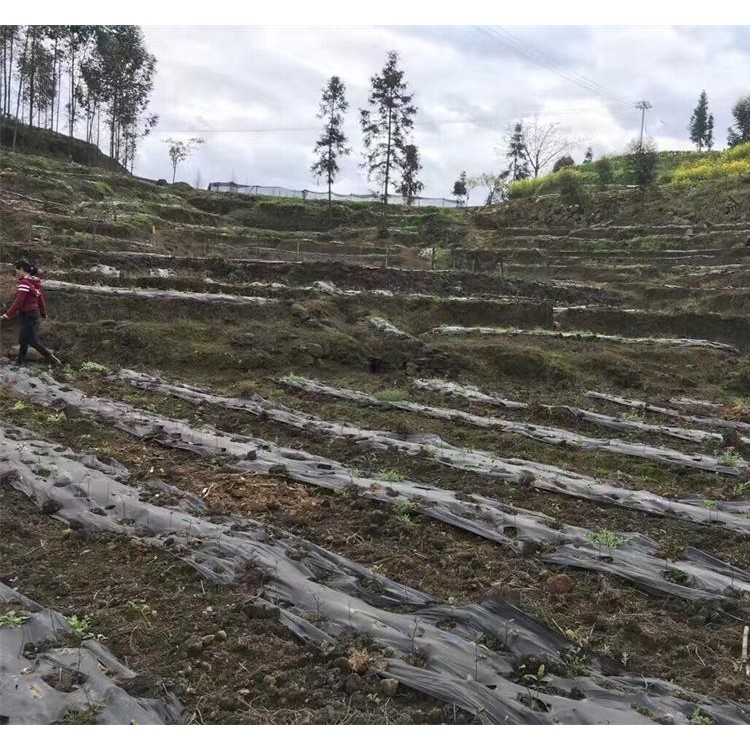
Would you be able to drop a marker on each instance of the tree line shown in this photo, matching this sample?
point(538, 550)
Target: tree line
point(90, 81)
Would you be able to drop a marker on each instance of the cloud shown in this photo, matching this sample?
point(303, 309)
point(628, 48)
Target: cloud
point(253, 92)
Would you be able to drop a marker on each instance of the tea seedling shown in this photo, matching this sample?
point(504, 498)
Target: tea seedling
point(730, 457)
point(404, 511)
point(606, 538)
point(82, 628)
point(391, 476)
point(12, 619)
point(94, 367)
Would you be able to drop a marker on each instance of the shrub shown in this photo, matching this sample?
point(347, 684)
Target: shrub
point(643, 159)
point(603, 171)
point(571, 190)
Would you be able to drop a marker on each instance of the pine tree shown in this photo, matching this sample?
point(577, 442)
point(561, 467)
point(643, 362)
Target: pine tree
point(741, 114)
point(588, 156)
point(459, 188)
point(332, 142)
point(519, 165)
point(702, 124)
point(385, 128)
point(410, 186)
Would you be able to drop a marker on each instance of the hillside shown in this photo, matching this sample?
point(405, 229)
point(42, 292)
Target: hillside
point(488, 467)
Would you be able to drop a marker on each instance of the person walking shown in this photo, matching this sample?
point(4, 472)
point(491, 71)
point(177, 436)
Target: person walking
point(30, 306)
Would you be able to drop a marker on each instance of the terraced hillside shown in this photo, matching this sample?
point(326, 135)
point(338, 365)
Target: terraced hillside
point(302, 470)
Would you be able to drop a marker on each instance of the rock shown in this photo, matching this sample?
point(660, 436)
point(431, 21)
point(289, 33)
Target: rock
point(411, 368)
point(221, 635)
point(560, 585)
point(194, 645)
point(435, 716)
point(62, 480)
point(260, 611)
point(299, 311)
point(316, 350)
point(342, 664)
point(207, 640)
point(354, 683)
point(50, 507)
point(389, 687)
point(696, 621)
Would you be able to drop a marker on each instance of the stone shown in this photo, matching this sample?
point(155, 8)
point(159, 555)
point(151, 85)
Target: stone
point(389, 687)
point(316, 350)
point(354, 683)
point(50, 507)
point(411, 368)
point(435, 716)
point(342, 664)
point(194, 645)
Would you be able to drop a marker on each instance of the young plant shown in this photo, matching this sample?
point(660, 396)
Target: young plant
point(20, 406)
point(391, 476)
point(730, 457)
point(56, 418)
point(606, 538)
point(698, 717)
point(712, 507)
point(82, 628)
point(94, 367)
point(404, 511)
point(12, 619)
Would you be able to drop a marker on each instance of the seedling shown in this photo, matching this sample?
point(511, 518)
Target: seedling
point(391, 476)
point(12, 619)
point(296, 379)
point(20, 406)
point(94, 367)
point(56, 418)
point(82, 628)
point(730, 457)
point(698, 717)
point(712, 507)
point(404, 511)
point(606, 538)
point(631, 416)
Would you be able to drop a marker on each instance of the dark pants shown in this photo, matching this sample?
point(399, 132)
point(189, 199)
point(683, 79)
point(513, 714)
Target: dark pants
point(29, 336)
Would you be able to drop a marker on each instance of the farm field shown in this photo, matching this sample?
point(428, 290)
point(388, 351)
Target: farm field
point(296, 472)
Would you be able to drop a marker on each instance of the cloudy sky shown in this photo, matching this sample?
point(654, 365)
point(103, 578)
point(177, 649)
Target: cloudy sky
point(252, 92)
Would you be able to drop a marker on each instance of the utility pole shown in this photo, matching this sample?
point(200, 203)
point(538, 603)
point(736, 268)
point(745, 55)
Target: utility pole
point(643, 106)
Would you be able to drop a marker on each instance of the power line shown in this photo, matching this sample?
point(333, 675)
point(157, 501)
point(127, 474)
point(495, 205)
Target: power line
point(522, 48)
point(478, 121)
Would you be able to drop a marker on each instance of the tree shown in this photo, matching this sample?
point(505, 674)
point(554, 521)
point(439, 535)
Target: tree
point(642, 161)
point(517, 153)
point(459, 188)
point(180, 150)
point(701, 126)
point(589, 156)
point(410, 186)
point(604, 171)
point(741, 114)
point(496, 184)
point(563, 161)
point(386, 126)
point(332, 142)
point(544, 142)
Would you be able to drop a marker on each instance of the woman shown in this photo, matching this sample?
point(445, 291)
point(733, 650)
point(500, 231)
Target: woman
point(29, 304)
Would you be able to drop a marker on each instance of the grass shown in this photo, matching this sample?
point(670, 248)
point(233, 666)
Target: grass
point(392, 396)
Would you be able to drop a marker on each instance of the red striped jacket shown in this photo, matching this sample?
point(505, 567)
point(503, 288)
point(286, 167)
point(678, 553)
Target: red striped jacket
point(29, 297)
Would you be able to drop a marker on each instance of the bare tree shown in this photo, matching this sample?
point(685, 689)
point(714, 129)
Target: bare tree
point(496, 184)
point(541, 143)
point(544, 143)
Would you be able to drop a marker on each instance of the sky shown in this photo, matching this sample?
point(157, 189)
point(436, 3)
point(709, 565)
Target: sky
point(252, 93)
